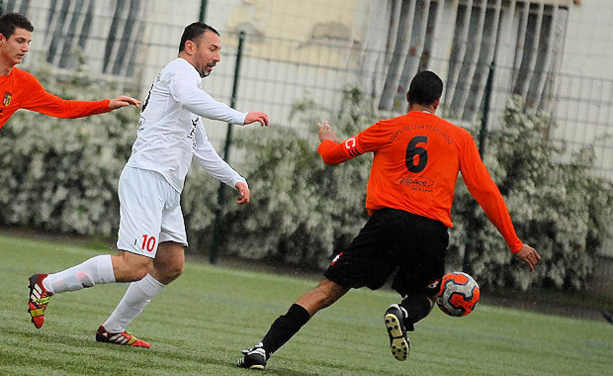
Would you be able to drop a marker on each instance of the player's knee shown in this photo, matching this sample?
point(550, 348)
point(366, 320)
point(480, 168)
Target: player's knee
point(175, 272)
point(167, 273)
point(130, 267)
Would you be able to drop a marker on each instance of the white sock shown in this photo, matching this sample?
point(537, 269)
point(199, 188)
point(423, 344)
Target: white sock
point(137, 297)
point(96, 270)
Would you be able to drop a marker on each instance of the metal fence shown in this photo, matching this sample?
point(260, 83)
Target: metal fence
point(277, 74)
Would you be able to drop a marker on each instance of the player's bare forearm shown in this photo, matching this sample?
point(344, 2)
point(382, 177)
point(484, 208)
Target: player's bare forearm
point(529, 255)
point(326, 132)
point(123, 101)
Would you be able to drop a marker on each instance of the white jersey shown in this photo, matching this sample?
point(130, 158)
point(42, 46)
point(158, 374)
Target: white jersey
point(171, 132)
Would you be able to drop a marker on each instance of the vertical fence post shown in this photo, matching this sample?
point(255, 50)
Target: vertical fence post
point(487, 95)
point(203, 5)
point(483, 132)
point(221, 193)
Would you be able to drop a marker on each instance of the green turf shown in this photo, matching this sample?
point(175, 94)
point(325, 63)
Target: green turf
point(199, 324)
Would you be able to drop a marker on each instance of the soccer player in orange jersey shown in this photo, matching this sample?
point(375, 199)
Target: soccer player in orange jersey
point(410, 193)
point(20, 89)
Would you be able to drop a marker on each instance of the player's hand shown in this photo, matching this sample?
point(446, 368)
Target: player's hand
point(260, 117)
point(244, 192)
point(326, 132)
point(529, 255)
point(123, 101)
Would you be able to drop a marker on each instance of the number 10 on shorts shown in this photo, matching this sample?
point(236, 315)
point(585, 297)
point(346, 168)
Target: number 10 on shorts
point(148, 243)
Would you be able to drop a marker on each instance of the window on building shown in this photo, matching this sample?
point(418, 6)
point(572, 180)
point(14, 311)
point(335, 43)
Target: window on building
point(70, 27)
point(524, 38)
point(412, 44)
point(20, 6)
point(410, 32)
point(122, 41)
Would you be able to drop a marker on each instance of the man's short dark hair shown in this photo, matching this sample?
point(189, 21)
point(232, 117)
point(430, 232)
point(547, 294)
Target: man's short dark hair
point(426, 87)
point(10, 21)
point(193, 32)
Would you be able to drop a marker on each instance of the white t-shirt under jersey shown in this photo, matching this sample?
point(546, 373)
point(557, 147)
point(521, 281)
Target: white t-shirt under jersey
point(171, 132)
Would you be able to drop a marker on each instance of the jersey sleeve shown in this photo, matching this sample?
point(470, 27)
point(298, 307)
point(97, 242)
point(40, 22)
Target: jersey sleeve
point(185, 90)
point(368, 140)
point(40, 100)
point(208, 158)
point(334, 153)
point(484, 190)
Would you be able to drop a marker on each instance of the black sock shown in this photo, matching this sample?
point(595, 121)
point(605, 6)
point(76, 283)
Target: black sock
point(417, 307)
point(284, 328)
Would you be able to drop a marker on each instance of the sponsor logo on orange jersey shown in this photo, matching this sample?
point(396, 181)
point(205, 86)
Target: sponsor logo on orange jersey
point(419, 181)
point(8, 96)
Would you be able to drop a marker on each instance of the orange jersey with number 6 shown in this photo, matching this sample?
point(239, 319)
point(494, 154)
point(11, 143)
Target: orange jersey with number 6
point(417, 158)
point(20, 89)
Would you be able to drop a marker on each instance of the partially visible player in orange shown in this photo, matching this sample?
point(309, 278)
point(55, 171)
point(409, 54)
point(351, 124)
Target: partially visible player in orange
point(417, 159)
point(20, 89)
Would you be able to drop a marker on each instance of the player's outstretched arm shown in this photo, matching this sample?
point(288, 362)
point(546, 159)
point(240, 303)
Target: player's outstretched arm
point(529, 255)
point(123, 101)
point(244, 192)
point(259, 117)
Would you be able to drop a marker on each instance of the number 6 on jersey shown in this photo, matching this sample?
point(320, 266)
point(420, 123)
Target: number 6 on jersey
point(417, 157)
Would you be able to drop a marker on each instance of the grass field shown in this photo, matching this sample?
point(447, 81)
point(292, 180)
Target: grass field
point(199, 324)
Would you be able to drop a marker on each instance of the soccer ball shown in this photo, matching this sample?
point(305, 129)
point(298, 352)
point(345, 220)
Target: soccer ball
point(459, 294)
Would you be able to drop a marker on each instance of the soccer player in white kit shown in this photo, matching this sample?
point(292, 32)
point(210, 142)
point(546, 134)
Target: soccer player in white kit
point(152, 236)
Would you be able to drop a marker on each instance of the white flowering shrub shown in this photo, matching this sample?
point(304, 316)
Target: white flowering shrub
point(558, 208)
point(61, 174)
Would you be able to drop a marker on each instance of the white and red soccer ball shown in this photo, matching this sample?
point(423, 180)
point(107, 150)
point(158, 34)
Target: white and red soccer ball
point(459, 294)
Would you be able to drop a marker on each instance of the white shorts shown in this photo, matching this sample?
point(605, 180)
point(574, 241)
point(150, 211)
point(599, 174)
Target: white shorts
point(150, 212)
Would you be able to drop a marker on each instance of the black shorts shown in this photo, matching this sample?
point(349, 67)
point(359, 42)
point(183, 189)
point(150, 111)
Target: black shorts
point(394, 240)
